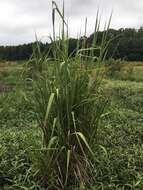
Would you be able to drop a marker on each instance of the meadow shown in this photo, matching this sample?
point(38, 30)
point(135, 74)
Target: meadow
point(118, 147)
point(71, 120)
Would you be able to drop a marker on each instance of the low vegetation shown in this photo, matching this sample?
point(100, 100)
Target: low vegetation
point(119, 158)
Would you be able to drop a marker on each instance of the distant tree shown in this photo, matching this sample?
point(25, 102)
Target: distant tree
point(126, 43)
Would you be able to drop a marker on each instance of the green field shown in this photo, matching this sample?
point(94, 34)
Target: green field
point(118, 147)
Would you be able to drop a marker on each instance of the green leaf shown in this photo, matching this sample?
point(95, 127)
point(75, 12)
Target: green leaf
point(49, 107)
point(68, 161)
point(52, 141)
point(82, 137)
point(104, 150)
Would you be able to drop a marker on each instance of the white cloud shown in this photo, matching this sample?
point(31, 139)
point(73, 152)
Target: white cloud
point(19, 20)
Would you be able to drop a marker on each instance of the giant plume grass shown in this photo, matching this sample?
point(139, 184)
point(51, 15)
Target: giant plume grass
point(68, 107)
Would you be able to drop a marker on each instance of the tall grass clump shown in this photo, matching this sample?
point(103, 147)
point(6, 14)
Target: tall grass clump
point(68, 104)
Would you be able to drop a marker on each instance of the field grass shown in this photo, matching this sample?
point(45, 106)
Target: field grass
point(71, 122)
point(118, 148)
point(15, 68)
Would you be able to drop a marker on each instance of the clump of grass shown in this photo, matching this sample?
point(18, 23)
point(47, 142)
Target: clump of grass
point(68, 103)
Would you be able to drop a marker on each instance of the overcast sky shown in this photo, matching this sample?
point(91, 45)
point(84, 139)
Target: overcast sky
point(21, 19)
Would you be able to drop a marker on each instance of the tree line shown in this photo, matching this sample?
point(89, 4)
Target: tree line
point(125, 44)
